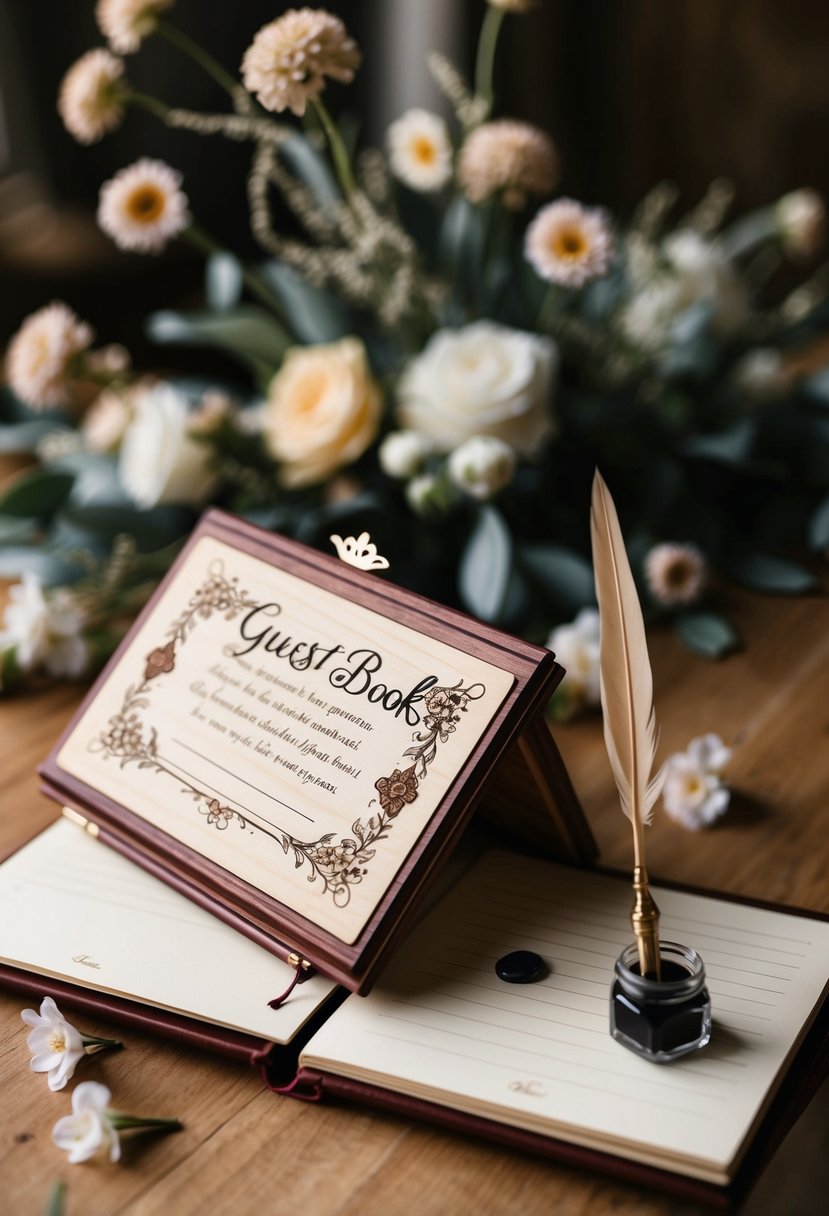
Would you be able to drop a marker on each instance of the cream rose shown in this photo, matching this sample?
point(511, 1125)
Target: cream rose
point(483, 379)
point(160, 462)
point(323, 411)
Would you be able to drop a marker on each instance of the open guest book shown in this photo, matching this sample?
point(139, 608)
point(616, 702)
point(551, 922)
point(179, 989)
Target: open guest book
point(282, 755)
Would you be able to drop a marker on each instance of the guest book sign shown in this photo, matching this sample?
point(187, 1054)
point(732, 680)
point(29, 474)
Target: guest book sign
point(292, 738)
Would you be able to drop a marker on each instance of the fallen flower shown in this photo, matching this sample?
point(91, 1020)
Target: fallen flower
point(92, 1128)
point(694, 793)
point(56, 1045)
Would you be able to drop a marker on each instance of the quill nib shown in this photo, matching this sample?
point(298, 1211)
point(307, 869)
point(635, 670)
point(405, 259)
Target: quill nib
point(627, 706)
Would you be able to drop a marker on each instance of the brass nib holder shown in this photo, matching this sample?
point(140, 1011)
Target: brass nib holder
point(644, 918)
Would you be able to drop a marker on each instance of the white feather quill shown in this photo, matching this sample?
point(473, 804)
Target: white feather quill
point(627, 702)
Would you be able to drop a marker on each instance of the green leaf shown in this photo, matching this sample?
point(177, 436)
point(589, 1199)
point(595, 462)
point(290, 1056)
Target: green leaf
point(37, 494)
point(763, 572)
point(16, 531)
point(461, 245)
point(311, 168)
point(248, 332)
point(707, 633)
point(315, 315)
point(817, 386)
point(151, 530)
point(819, 527)
point(733, 446)
point(566, 576)
point(51, 568)
point(223, 281)
point(485, 566)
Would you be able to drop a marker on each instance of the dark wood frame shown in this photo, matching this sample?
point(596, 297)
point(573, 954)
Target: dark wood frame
point(517, 726)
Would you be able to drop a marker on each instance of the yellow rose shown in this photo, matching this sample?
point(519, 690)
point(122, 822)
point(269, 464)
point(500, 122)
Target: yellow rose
point(323, 411)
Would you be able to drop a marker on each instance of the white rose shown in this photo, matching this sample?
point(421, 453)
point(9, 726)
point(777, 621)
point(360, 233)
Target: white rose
point(323, 411)
point(482, 466)
point(401, 454)
point(576, 647)
point(801, 218)
point(483, 379)
point(160, 462)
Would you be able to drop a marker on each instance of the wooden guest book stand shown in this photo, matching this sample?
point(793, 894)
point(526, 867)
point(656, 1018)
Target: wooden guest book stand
point(295, 747)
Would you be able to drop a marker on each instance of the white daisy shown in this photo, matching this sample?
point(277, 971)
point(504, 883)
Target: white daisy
point(40, 358)
point(126, 23)
point(91, 97)
point(143, 207)
point(569, 244)
point(420, 150)
point(675, 574)
point(288, 60)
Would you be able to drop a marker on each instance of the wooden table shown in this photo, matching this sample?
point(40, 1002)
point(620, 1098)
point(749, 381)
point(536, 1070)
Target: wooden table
point(246, 1151)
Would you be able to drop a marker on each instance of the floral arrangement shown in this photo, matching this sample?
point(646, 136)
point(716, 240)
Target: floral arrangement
point(441, 355)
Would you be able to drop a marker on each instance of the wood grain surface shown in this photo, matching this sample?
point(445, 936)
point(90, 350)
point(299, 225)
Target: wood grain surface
point(244, 1150)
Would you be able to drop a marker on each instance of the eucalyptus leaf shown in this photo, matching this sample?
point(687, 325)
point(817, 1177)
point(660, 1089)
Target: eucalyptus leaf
point(151, 530)
point(311, 168)
point(23, 437)
point(732, 446)
point(36, 494)
point(15, 530)
point(461, 245)
point(816, 387)
point(819, 527)
point(51, 568)
point(248, 332)
point(315, 315)
point(764, 572)
point(566, 576)
point(486, 565)
point(223, 281)
point(708, 634)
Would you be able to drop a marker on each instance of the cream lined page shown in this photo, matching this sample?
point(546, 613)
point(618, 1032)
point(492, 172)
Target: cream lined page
point(442, 1026)
point(72, 908)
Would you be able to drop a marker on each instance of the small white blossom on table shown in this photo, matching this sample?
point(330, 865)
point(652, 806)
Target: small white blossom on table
point(56, 1045)
point(694, 794)
point(91, 1131)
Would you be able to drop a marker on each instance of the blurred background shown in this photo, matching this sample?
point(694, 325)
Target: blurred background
point(633, 91)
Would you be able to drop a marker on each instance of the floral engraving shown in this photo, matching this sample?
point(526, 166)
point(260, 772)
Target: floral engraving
point(337, 865)
point(396, 790)
point(444, 707)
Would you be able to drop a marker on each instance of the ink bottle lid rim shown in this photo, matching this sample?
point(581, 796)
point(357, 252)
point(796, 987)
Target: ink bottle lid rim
point(662, 991)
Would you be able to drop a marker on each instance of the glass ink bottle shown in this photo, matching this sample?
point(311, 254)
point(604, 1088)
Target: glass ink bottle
point(666, 1018)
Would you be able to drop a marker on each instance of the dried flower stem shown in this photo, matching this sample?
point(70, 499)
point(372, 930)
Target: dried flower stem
point(339, 154)
point(184, 43)
point(485, 59)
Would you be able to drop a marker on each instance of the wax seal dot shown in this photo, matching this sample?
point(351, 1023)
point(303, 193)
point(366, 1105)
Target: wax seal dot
point(520, 967)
